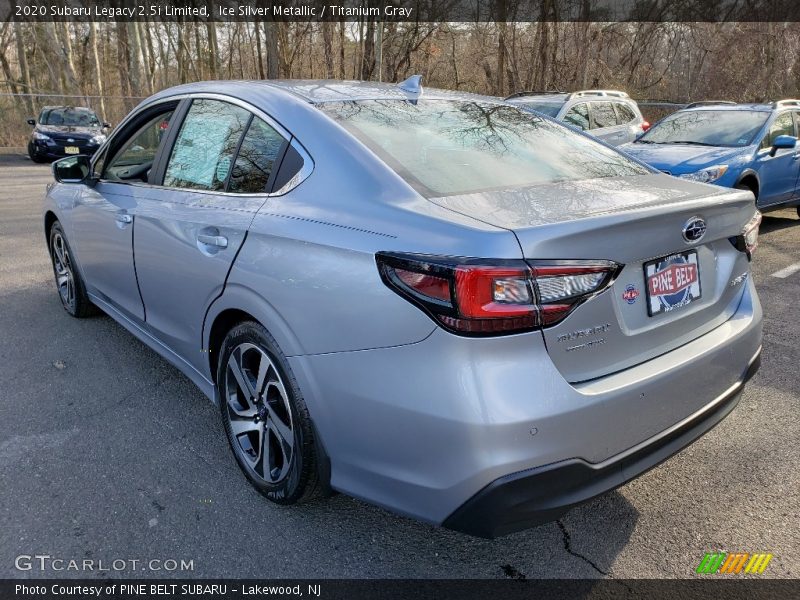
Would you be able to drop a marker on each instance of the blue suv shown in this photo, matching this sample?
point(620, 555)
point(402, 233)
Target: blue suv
point(746, 146)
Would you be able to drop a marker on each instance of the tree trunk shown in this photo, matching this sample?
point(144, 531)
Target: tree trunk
point(134, 58)
point(341, 50)
point(271, 36)
point(123, 59)
point(24, 72)
point(213, 48)
point(327, 45)
point(99, 76)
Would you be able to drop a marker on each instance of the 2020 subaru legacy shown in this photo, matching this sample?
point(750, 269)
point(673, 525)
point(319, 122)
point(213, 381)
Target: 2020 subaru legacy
point(434, 301)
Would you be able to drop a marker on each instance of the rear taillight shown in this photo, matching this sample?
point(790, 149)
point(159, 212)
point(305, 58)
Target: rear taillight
point(490, 297)
point(645, 126)
point(747, 241)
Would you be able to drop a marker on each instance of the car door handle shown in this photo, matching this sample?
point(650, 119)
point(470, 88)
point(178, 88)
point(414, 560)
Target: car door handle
point(124, 218)
point(220, 241)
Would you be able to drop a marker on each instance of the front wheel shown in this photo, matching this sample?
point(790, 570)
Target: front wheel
point(71, 289)
point(265, 418)
point(33, 156)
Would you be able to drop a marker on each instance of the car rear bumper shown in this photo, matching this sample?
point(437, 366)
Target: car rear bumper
point(539, 495)
point(429, 429)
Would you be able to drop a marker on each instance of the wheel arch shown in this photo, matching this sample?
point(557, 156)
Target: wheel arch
point(236, 305)
point(749, 178)
point(49, 218)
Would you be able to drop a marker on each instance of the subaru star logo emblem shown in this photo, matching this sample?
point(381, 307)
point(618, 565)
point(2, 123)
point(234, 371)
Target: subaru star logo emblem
point(694, 229)
point(70, 140)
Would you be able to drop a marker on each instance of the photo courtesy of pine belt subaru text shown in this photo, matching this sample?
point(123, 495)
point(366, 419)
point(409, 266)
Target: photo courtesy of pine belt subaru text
point(458, 310)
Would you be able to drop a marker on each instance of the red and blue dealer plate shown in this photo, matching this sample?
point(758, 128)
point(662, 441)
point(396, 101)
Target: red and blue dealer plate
point(672, 282)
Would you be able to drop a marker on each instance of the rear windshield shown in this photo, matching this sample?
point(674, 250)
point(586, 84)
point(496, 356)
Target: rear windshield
point(546, 108)
point(708, 128)
point(71, 117)
point(445, 147)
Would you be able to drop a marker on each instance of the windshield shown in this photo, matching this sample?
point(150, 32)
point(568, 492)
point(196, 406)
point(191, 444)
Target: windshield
point(444, 147)
point(70, 117)
point(708, 128)
point(546, 108)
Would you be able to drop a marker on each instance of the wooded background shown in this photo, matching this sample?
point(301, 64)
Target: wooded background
point(110, 66)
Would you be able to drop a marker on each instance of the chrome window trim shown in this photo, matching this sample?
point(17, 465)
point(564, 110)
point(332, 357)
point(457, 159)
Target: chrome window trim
point(299, 177)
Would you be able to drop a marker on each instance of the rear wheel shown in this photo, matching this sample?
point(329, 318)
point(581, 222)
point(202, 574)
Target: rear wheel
point(71, 289)
point(265, 417)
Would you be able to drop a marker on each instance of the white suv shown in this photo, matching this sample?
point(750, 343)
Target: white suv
point(609, 115)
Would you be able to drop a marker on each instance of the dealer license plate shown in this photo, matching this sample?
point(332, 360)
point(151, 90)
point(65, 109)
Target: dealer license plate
point(672, 282)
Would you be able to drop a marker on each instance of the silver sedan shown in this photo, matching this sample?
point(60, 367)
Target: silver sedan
point(434, 301)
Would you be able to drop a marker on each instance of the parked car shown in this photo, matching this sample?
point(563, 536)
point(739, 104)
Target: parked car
point(434, 301)
point(65, 130)
point(745, 146)
point(609, 115)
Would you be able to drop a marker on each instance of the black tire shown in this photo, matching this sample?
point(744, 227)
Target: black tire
point(69, 284)
point(742, 186)
point(261, 424)
point(32, 155)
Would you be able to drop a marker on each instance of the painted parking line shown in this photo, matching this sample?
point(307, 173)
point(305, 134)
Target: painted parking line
point(785, 272)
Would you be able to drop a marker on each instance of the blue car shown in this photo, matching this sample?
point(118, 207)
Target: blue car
point(745, 146)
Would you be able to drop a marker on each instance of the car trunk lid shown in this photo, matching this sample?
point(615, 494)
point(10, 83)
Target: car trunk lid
point(668, 291)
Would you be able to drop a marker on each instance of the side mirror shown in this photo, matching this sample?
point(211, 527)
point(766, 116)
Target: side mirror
point(783, 142)
point(73, 169)
point(31, 122)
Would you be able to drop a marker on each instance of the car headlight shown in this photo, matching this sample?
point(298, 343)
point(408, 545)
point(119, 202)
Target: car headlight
point(706, 175)
point(99, 139)
point(40, 136)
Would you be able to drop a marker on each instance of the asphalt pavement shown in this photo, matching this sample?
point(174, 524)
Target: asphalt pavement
point(107, 453)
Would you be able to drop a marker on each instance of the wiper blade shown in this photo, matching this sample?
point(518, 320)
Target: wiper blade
point(692, 143)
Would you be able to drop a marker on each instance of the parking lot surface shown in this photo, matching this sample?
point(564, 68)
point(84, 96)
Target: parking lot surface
point(107, 453)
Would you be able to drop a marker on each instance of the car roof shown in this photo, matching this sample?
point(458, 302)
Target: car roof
point(86, 108)
point(542, 98)
point(321, 90)
point(733, 107)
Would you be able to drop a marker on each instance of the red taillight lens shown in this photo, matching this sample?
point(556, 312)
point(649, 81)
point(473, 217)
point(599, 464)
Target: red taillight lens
point(645, 125)
point(480, 297)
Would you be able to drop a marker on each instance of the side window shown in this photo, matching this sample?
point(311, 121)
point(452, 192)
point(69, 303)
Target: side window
point(136, 157)
point(624, 112)
point(255, 161)
point(578, 116)
point(603, 115)
point(783, 125)
point(203, 152)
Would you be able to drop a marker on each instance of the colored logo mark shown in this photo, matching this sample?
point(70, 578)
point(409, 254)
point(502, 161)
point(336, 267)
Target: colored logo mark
point(630, 294)
point(733, 562)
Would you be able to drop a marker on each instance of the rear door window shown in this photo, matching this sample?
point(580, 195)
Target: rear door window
point(578, 116)
point(624, 112)
point(603, 115)
point(203, 153)
point(256, 160)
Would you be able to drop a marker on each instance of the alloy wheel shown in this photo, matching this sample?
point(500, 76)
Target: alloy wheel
point(65, 277)
point(259, 414)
